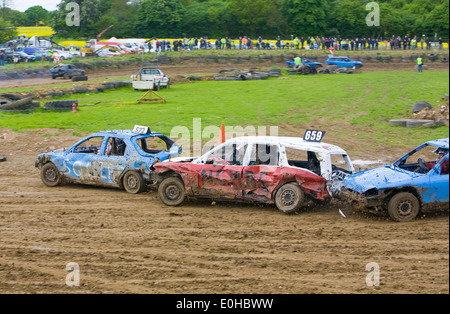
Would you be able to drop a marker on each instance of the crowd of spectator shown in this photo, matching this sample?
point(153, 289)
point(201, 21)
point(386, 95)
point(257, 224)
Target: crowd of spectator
point(314, 43)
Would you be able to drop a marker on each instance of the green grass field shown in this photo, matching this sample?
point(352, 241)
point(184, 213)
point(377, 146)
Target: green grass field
point(367, 101)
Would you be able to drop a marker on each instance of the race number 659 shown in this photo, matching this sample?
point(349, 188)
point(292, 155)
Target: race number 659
point(313, 135)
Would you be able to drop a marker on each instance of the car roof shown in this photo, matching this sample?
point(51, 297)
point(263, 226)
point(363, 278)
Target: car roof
point(292, 142)
point(439, 143)
point(126, 133)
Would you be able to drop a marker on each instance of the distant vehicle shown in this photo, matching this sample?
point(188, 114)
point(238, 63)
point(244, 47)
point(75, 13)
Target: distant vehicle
point(408, 186)
point(316, 65)
point(120, 159)
point(344, 62)
point(11, 56)
point(37, 52)
point(150, 77)
point(25, 57)
point(66, 71)
point(63, 55)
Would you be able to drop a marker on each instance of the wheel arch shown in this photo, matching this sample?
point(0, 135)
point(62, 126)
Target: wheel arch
point(407, 189)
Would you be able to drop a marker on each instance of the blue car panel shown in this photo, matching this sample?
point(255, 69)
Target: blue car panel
point(103, 158)
point(428, 181)
point(291, 64)
point(343, 62)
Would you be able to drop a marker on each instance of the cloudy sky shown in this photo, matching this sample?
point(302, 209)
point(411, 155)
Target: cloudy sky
point(22, 5)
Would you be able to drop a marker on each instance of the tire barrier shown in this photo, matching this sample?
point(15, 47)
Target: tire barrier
point(235, 75)
point(25, 104)
point(60, 105)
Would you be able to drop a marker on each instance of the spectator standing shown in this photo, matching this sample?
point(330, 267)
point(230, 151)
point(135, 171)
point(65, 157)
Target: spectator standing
point(420, 64)
point(414, 43)
point(296, 43)
point(428, 43)
point(440, 43)
point(2, 58)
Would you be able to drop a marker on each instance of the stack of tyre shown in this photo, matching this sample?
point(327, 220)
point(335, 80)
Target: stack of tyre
point(15, 103)
point(304, 70)
point(60, 104)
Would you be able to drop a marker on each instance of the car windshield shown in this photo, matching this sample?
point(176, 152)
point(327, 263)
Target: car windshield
point(422, 159)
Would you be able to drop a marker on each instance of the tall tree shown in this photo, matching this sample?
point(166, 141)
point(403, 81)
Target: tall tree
point(159, 18)
point(36, 15)
point(7, 31)
point(306, 17)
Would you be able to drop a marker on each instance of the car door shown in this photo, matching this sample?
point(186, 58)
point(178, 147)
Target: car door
point(113, 161)
point(81, 163)
point(263, 172)
point(438, 191)
point(221, 173)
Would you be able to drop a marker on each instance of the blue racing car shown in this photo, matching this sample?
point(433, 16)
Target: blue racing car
point(121, 159)
point(343, 62)
point(419, 181)
point(312, 64)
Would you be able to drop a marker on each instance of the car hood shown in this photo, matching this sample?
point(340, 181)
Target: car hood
point(382, 177)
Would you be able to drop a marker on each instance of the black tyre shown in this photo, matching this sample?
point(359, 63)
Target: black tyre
point(50, 175)
point(60, 104)
point(289, 198)
point(16, 105)
point(172, 191)
point(403, 207)
point(66, 76)
point(133, 182)
point(79, 78)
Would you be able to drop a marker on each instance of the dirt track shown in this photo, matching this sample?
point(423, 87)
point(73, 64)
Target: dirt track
point(133, 244)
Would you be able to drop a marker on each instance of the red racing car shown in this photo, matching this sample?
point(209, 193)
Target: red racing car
point(286, 172)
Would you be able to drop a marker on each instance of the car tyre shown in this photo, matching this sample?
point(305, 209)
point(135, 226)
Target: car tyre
point(133, 182)
point(403, 207)
point(172, 192)
point(289, 198)
point(50, 175)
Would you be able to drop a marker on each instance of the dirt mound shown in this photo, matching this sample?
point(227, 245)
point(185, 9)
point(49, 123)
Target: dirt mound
point(441, 113)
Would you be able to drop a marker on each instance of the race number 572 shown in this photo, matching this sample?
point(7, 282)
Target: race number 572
point(313, 135)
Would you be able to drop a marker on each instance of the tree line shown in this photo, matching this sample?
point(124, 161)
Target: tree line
point(234, 18)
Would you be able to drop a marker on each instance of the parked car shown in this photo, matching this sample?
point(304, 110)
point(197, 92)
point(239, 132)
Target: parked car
point(66, 71)
point(120, 159)
point(149, 77)
point(25, 57)
point(62, 55)
point(287, 172)
point(344, 62)
point(11, 56)
point(313, 64)
point(408, 186)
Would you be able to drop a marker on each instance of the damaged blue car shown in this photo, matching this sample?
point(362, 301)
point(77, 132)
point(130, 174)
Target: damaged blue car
point(417, 182)
point(120, 159)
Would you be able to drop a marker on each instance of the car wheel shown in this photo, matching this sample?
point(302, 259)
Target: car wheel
point(50, 175)
point(403, 207)
point(66, 76)
point(172, 191)
point(289, 198)
point(133, 182)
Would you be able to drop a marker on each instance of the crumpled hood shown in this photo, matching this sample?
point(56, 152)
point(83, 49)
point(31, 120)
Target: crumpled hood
point(382, 177)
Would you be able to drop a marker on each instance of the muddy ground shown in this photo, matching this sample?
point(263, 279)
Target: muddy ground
point(133, 244)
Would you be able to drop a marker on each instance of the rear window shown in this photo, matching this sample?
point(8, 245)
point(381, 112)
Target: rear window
point(154, 145)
